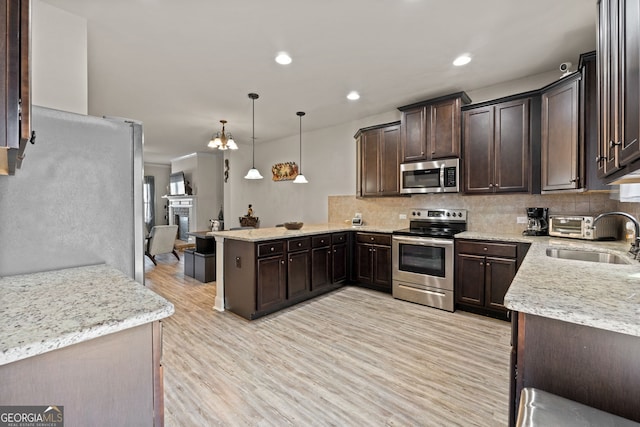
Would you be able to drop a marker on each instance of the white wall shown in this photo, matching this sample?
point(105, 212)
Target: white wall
point(161, 181)
point(328, 162)
point(59, 59)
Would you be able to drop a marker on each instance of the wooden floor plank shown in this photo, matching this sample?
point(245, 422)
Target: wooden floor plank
point(353, 357)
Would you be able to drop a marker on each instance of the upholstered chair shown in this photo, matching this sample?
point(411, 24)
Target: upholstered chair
point(162, 239)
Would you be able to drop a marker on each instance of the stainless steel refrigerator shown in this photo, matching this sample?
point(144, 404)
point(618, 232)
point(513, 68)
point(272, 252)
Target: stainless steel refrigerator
point(77, 200)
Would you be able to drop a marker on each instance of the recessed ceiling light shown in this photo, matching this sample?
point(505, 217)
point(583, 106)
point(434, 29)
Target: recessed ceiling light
point(462, 60)
point(283, 58)
point(353, 95)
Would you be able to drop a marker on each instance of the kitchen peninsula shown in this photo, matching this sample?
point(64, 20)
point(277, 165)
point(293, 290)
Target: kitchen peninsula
point(85, 338)
point(576, 328)
point(263, 270)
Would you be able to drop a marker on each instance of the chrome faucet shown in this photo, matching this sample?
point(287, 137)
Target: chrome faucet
point(635, 246)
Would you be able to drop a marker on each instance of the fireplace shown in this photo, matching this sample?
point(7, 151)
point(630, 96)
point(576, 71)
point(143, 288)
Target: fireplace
point(182, 214)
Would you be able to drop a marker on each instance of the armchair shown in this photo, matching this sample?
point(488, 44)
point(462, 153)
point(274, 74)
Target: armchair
point(162, 239)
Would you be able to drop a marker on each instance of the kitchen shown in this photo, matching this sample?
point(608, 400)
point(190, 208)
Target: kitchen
point(383, 212)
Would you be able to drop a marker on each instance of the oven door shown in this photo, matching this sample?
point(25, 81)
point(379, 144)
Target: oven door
point(423, 261)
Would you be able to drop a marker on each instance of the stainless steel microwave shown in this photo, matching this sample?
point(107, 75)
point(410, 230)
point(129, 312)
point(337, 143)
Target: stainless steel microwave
point(436, 176)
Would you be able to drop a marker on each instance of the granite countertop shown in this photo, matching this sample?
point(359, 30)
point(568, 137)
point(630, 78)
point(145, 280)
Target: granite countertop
point(270, 233)
point(604, 296)
point(45, 311)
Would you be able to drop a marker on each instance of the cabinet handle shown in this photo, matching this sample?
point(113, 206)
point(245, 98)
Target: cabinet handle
point(299, 244)
point(374, 250)
point(282, 262)
point(321, 240)
point(600, 159)
point(334, 251)
point(329, 251)
point(485, 249)
point(290, 259)
point(481, 263)
point(370, 250)
point(488, 264)
point(576, 179)
point(273, 249)
point(490, 185)
point(373, 238)
point(422, 153)
point(613, 144)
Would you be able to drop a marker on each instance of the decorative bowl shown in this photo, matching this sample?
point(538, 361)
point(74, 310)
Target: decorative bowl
point(293, 225)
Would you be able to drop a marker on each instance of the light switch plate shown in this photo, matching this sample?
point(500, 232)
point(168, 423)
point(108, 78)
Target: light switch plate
point(521, 220)
point(403, 216)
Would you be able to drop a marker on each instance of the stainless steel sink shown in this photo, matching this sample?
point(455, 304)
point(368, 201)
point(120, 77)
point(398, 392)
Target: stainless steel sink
point(591, 256)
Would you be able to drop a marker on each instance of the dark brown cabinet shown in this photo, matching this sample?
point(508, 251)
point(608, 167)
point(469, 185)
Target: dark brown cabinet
point(560, 143)
point(618, 87)
point(378, 152)
point(271, 275)
point(298, 272)
point(261, 278)
point(373, 260)
point(484, 272)
point(431, 129)
point(497, 147)
point(15, 90)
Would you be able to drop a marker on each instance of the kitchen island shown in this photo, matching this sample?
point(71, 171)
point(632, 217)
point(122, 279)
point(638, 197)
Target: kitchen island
point(576, 324)
point(85, 338)
point(252, 269)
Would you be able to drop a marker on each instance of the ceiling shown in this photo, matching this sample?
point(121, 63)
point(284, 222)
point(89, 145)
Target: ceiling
point(181, 66)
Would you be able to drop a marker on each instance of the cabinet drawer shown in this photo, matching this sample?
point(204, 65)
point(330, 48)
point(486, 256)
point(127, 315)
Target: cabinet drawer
point(320, 240)
point(298, 244)
point(338, 238)
point(377, 239)
point(271, 248)
point(508, 250)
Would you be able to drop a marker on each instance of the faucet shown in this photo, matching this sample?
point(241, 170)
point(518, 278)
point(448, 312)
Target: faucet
point(635, 246)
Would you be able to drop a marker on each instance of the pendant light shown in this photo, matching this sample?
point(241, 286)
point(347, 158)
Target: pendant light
point(253, 172)
point(300, 179)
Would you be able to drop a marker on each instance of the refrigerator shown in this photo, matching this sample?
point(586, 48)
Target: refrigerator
point(77, 199)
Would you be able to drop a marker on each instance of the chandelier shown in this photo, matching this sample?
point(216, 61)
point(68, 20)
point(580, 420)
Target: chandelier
point(223, 141)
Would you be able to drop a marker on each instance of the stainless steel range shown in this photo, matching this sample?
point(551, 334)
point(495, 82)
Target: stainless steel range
point(423, 257)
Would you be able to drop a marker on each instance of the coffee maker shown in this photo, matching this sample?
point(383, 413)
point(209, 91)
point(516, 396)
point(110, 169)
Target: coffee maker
point(537, 222)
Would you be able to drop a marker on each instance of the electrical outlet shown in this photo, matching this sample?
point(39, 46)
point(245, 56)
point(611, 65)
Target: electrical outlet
point(521, 220)
point(403, 216)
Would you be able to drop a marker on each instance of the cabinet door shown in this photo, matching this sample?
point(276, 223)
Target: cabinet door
point(512, 146)
point(339, 260)
point(443, 129)
point(10, 70)
point(470, 279)
point(413, 135)
point(499, 275)
point(298, 276)
point(630, 84)
point(560, 137)
point(272, 283)
point(478, 148)
point(320, 267)
point(382, 266)
point(390, 161)
point(370, 141)
point(364, 267)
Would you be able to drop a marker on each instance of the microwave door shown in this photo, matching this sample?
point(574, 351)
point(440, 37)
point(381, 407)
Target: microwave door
point(421, 181)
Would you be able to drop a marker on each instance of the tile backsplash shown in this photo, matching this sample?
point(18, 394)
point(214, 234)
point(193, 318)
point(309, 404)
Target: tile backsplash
point(485, 213)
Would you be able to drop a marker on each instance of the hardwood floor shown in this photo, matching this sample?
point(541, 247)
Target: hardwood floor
point(354, 357)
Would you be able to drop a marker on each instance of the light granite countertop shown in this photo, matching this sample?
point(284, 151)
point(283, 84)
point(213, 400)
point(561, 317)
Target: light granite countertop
point(270, 233)
point(604, 296)
point(45, 311)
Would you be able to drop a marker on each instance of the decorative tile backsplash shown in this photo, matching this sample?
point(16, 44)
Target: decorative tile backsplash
point(485, 213)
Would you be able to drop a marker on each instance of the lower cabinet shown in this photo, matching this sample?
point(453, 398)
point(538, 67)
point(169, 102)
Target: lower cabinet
point(261, 278)
point(373, 261)
point(484, 272)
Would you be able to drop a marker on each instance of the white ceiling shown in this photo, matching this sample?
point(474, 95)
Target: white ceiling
point(181, 66)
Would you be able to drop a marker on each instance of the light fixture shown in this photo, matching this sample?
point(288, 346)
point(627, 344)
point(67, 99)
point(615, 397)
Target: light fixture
point(462, 60)
point(300, 179)
point(353, 96)
point(223, 141)
point(283, 58)
point(253, 172)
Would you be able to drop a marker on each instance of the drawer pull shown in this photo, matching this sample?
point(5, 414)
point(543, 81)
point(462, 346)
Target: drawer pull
point(272, 249)
point(485, 249)
point(299, 244)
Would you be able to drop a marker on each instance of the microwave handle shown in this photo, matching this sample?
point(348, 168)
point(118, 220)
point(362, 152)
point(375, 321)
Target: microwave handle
point(442, 175)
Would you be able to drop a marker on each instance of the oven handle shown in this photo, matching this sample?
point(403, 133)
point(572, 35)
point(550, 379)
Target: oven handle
point(424, 241)
point(424, 291)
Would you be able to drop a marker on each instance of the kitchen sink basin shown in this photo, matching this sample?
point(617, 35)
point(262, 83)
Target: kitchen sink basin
point(591, 256)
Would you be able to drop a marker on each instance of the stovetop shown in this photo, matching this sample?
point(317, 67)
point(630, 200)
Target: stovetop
point(441, 223)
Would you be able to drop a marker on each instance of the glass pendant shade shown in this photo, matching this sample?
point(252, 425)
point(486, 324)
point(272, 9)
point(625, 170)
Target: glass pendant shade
point(300, 179)
point(253, 172)
point(221, 141)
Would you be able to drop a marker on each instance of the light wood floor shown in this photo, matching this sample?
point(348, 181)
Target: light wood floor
point(350, 358)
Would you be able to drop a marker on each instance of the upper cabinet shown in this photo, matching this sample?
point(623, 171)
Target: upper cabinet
point(15, 108)
point(378, 159)
point(431, 129)
point(618, 87)
point(498, 147)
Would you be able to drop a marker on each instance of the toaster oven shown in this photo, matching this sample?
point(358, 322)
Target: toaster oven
point(581, 227)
